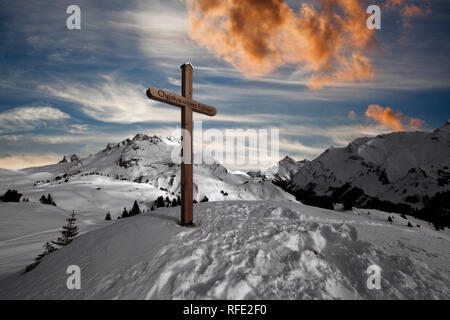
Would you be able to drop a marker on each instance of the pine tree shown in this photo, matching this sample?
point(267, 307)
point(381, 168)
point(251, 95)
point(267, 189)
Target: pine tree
point(43, 200)
point(70, 231)
point(205, 199)
point(49, 248)
point(179, 200)
point(160, 202)
point(50, 200)
point(174, 202)
point(125, 213)
point(108, 216)
point(167, 202)
point(135, 210)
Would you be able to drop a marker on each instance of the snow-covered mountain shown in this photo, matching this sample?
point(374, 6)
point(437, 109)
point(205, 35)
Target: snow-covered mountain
point(147, 160)
point(407, 168)
point(284, 170)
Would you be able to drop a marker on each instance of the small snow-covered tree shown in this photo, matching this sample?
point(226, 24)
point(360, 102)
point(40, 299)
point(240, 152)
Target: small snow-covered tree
point(49, 248)
point(70, 231)
point(108, 216)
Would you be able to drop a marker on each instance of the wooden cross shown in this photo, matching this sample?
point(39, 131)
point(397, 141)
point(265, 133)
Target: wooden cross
point(187, 105)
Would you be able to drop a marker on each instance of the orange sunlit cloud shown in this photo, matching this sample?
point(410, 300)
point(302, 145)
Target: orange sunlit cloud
point(258, 36)
point(408, 10)
point(391, 119)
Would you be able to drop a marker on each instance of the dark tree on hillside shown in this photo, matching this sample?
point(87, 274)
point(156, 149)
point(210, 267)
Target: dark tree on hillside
point(50, 200)
point(167, 202)
point(48, 248)
point(135, 210)
point(108, 216)
point(47, 200)
point(174, 202)
point(205, 199)
point(179, 201)
point(125, 213)
point(160, 202)
point(70, 231)
point(11, 196)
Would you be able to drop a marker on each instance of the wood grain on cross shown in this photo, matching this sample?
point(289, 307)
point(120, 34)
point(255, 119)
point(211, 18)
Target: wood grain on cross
point(188, 106)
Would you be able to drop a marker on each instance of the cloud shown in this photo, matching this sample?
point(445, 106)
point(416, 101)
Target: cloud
point(331, 42)
point(112, 100)
point(408, 10)
point(390, 118)
point(20, 161)
point(29, 118)
point(416, 123)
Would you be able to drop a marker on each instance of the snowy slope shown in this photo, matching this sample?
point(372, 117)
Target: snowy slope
point(245, 250)
point(25, 227)
point(401, 167)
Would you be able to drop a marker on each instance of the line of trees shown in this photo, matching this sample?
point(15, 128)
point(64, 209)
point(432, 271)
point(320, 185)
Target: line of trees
point(135, 210)
point(47, 200)
point(11, 196)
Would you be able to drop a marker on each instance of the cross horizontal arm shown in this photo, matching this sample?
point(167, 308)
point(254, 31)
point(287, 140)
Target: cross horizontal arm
point(180, 101)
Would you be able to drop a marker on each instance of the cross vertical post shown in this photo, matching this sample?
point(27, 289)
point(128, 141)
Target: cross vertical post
point(187, 178)
point(188, 106)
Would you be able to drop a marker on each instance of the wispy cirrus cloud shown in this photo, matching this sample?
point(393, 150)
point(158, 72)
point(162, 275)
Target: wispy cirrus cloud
point(30, 118)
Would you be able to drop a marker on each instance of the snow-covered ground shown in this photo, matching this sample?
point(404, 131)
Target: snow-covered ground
point(242, 250)
point(25, 227)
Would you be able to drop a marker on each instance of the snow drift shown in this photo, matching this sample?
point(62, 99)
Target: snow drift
point(246, 250)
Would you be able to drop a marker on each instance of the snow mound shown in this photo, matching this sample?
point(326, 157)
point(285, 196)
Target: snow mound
point(245, 250)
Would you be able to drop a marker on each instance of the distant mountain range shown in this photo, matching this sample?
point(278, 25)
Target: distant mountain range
point(406, 172)
point(147, 159)
point(403, 172)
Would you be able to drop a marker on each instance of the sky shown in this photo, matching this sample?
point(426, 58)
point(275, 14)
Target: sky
point(311, 69)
